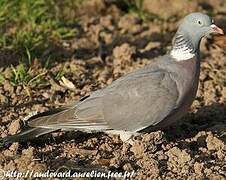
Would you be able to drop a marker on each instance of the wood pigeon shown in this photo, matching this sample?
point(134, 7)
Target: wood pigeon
point(147, 99)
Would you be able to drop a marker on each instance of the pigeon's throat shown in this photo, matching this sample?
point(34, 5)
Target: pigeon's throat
point(182, 49)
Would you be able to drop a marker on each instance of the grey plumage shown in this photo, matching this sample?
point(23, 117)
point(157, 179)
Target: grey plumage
point(150, 98)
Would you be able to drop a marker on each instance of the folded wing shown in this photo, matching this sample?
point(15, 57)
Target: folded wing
point(133, 102)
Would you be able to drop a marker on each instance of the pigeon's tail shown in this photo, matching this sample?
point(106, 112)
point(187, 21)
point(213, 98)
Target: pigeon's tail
point(25, 135)
point(34, 130)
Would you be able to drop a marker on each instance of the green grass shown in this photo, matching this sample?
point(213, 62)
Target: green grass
point(58, 75)
point(35, 24)
point(22, 75)
point(31, 28)
point(136, 7)
point(2, 78)
point(26, 77)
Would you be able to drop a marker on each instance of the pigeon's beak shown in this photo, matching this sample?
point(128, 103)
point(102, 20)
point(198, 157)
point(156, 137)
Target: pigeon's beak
point(216, 30)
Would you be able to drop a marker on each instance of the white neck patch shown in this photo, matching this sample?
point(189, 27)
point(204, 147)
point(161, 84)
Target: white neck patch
point(182, 54)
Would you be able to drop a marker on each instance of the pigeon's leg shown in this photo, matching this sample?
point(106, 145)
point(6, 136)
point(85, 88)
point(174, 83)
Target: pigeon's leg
point(125, 136)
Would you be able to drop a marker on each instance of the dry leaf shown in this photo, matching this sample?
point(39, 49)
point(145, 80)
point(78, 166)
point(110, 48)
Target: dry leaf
point(67, 83)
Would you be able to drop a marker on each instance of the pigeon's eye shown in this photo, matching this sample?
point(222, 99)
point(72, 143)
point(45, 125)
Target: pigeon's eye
point(199, 22)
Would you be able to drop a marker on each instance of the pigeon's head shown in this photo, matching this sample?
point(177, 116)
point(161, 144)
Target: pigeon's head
point(198, 25)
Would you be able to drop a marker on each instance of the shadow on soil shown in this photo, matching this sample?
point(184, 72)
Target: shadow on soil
point(207, 118)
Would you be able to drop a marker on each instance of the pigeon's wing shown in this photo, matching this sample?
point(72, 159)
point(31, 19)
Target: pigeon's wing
point(141, 100)
point(84, 114)
point(133, 102)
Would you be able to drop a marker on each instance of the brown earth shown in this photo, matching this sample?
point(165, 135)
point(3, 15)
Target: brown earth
point(112, 43)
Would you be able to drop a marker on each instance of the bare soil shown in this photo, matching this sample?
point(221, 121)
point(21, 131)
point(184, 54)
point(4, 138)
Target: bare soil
point(110, 44)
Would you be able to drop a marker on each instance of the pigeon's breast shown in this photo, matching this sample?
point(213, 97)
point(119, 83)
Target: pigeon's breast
point(188, 80)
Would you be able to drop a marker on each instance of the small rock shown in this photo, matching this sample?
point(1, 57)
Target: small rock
point(213, 143)
point(8, 87)
point(198, 167)
point(14, 127)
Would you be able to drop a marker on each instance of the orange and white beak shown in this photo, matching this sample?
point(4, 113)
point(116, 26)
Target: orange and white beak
point(216, 30)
